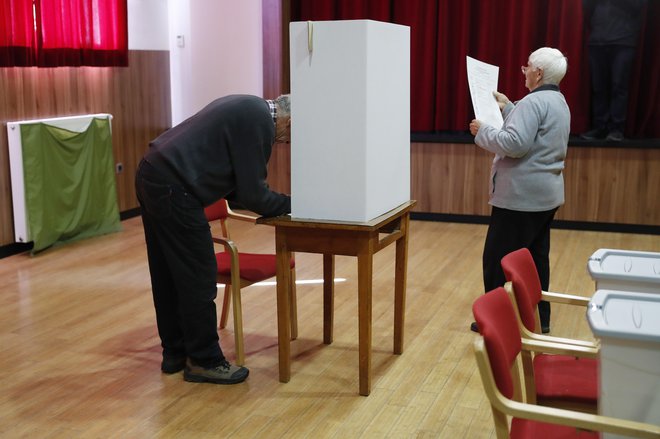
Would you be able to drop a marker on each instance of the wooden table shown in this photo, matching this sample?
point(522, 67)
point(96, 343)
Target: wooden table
point(332, 238)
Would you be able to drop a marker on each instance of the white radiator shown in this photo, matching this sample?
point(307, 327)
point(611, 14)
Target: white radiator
point(71, 123)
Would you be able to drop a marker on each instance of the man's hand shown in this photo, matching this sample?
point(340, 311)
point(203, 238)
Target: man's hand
point(501, 99)
point(474, 126)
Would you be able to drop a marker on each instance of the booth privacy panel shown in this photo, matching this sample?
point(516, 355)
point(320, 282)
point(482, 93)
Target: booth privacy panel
point(350, 119)
point(69, 184)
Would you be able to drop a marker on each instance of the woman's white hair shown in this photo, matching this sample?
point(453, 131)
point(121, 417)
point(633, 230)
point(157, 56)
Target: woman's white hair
point(553, 63)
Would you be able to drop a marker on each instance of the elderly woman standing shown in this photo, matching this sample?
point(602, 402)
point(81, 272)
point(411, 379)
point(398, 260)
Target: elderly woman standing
point(527, 184)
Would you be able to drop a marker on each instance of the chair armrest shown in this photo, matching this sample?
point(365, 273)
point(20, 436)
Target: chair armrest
point(235, 272)
point(559, 348)
point(580, 420)
point(552, 339)
point(227, 243)
point(527, 334)
point(569, 299)
point(242, 217)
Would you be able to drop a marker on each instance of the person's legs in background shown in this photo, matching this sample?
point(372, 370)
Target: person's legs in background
point(621, 66)
point(510, 230)
point(600, 68)
point(539, 247)
point(502, 238)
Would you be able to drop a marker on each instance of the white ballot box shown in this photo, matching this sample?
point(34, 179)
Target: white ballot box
point(625, 270)
point(628, 327)
point(350, 119)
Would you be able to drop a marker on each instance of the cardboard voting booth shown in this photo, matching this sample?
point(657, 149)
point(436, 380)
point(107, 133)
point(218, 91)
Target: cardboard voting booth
point(625, 270)
point(350, 125)
point(628, 327)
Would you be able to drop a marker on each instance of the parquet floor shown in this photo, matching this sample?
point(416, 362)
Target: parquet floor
point(80, 355)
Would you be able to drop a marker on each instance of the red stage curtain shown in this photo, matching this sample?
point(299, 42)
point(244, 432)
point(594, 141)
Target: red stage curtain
point(17, 39)
point(68, 32)
point(504, 33)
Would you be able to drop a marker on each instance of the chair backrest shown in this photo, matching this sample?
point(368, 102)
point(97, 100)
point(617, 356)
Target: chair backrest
point(520, 270)
point(498, 326)
point(219, 211)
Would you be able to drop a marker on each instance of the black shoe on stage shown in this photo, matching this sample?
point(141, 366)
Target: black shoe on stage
point(595, 134)
point(614, 136)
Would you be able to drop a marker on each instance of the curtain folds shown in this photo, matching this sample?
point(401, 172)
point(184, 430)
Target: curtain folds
point(17, 38)
point(70, 191)
point(504, 33)
point(51, 33)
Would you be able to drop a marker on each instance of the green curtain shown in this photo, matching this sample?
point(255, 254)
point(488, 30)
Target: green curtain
point(70, 190)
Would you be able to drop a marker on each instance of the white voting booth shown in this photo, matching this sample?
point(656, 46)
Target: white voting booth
point(628, 327)
point(350, 117)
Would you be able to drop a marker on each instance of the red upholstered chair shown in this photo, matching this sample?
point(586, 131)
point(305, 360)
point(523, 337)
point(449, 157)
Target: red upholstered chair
point(237, 270)
point(523, 278)
point(497, 352)
point(559, 380)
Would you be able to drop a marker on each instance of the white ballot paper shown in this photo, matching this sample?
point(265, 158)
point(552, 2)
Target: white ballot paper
point(482, 79)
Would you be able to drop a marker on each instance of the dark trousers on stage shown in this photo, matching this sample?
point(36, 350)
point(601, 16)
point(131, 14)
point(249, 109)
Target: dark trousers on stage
point(182, 265)
point(510, 230)
point(610, 77)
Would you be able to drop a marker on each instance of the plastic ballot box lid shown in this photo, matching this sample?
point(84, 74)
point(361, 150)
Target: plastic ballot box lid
point(625, 315)
point(625, 269)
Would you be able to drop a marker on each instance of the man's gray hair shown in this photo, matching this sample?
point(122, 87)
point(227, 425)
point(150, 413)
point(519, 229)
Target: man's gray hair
point(553, 63)
point(283, 104)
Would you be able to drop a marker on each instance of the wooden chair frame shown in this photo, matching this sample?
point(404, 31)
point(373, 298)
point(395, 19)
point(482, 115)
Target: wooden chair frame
point(555, 345)
point(234, 283)
point(555, 298)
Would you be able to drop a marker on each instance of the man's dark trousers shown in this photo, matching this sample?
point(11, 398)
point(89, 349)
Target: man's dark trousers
point(182, 265)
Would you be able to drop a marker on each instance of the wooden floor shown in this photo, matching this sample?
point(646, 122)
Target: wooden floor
point(80, 356)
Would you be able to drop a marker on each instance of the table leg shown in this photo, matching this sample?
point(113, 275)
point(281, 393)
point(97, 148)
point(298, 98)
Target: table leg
point(283, 305)
point(400, 278)
point(365, 274)
point(328, 297)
